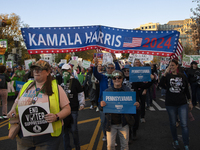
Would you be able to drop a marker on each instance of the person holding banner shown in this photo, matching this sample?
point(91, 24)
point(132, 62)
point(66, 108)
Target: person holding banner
point(42, 91)
point(105, 82)
point(177, 90)
point(117, 123)
point(134, 86)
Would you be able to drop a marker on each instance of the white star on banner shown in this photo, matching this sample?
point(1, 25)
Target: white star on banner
point(131, 30)
point(167, 32)
point(151, 31)
point(59, 28)
point(41, 51)
point(64, 28)
point(113, 29)
point(176, 34)
point(141, 31)
point(69, 28)
point(161, 31)
point(108, 28)
point(172, 31)
point(57, 51)
point(146, 31)
point(38, 28)
point(44, 28)
point(52, 51)
point(74, 28)
point(31, 52)
point(83, 27)
point(36, 51)
point(156, 31)
point(126, 30)
point(122, 30)
point(49, 28)
point(136, 31)
point(47, 51)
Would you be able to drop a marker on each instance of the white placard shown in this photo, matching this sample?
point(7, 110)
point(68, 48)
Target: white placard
point(26, 62)
point(63, 61)
point(86, 64)
point(74, 58)
point(107, 58)
point(142, 57)
point(32, 119)
point(9, 64)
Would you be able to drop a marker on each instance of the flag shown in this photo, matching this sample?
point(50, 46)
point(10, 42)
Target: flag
point(178, 52)
point(132, 42)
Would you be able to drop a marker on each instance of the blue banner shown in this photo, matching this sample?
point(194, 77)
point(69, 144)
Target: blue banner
point(119, 102)
point(114, 40)
point(19, 85)
point(140, 74)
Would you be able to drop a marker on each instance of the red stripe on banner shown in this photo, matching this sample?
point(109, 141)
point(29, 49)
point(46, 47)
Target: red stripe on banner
point(179, 50)
point(99, 48)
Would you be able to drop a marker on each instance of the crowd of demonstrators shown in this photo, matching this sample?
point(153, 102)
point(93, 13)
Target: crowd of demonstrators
point(193, 75)
point(105, 82)
point(80, 83)
point(42, 90)
point(176, 86)
point(117, 123)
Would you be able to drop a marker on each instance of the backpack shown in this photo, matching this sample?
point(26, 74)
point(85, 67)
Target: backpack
point(2, 80)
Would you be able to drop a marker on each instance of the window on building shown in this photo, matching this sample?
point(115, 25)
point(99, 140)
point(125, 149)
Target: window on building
point(153, 26)
point(145, 27)
point(149, 27)
point(142, 28)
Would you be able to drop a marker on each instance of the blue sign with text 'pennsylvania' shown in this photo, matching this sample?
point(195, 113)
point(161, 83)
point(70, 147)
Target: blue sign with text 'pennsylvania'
point(119, 102)
point(140, 74)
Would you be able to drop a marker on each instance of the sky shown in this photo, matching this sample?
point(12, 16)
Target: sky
point(127, 14)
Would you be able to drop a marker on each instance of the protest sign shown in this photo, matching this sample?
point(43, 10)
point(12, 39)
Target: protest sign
point(32, 119)
point(131, 58)
point(140, 74)
point(19, 85)
point(9, 64)
point(99, 56)
point(74, 58)
point(86, 64)
point(63, 61)
point(119, 102)
point(107, 57)
point(164, 62)
point(27, 63)
point(142, 57)
point(48, 40)
point(186, 61)
point(3, 46)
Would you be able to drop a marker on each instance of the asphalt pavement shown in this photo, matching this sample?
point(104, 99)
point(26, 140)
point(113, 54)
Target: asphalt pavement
point(154, 134)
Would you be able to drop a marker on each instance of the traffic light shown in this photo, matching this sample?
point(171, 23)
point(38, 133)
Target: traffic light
point(5, 22)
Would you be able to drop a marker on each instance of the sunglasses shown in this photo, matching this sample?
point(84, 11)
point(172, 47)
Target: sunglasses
point(37, 70)
point(110, 67)
point(126, 70)
point(114, 78)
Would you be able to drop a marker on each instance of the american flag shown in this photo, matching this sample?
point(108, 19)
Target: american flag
point(132, 42)
point(178, 52)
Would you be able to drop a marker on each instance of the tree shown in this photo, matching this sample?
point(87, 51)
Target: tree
point(189, 50)
point(196, 26)
point(11, 31)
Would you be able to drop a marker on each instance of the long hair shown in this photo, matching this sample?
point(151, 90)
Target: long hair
point(47, 88)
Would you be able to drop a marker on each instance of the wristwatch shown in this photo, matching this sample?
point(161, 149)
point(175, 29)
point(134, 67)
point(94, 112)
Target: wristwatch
point(57, 117)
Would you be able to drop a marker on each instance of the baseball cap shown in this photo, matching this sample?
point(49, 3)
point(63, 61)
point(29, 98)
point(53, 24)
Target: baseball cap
point(193, 62)
point(44, 65)
point(66, 67)
point(127, 66)
point(117, 73)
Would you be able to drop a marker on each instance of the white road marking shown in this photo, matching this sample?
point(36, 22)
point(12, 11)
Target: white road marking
point(158, 107)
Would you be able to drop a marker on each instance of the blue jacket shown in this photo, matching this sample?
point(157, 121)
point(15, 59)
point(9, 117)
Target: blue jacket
point(103, 79)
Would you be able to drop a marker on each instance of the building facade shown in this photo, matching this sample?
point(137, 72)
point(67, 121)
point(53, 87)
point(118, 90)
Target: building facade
point(183, 26)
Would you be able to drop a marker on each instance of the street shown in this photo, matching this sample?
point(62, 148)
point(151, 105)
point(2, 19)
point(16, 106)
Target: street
point(154, 134)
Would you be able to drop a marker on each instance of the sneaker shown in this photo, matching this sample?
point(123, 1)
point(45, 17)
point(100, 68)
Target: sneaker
point(104, 138)
point(176, 145)
point(186, 147)
point(142, 120)
point(91, 107)
point(97, 109)
point(151, 108)
point(115, 144)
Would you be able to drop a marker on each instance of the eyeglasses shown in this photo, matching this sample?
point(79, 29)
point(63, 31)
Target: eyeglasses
point(110, 67)
point(114, 78)
point(126, 70)
point(38, 70)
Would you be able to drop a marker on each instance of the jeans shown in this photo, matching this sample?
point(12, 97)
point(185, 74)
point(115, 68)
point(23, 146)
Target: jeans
point(149, 97)
point(74, 131)
point(163, 92)
point(195, 93)
point(41, 142)
point(123, 133)
point(182, 112)
point(103, 118)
